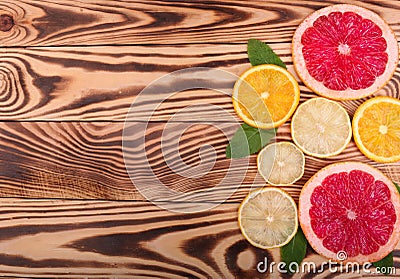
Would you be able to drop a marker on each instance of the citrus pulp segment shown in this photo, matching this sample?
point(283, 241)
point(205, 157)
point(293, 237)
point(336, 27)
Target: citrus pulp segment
point(268, 217)
point(265, 96)
point(281, 163)
point(321, 127)
point(353, 209)
point(344, 52)
point(376, 129)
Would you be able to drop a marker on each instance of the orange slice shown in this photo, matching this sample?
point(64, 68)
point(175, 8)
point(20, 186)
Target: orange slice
point(376, 129)
point(265, 96)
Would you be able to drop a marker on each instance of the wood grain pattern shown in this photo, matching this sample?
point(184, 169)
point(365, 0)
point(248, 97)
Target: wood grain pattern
point(92, 83)
point(69, 72)
point(101, 83)
point(69, 22)
point(85, 160)
point(73, 239)
point(86, 239)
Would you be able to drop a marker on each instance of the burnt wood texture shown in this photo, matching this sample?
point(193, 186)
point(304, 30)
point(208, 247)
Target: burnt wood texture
point(69, 73)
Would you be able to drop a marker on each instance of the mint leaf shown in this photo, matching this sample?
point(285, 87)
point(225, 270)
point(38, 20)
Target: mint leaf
point(294, 251)
point(385, 262)
point(397, 186)
point(260, 53)
point(248, 140)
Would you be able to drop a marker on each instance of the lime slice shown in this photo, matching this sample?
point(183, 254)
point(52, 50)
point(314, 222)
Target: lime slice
point(321, 128)
point(268, 217)
point(281, 163)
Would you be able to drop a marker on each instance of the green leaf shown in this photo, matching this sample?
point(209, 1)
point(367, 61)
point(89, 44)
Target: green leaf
point(248, 140)
point(385, 262)
point(397, 186)
point(294, 251)
point(260, 53)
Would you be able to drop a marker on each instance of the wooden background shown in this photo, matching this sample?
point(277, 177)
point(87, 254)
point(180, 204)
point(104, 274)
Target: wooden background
point(69, 71)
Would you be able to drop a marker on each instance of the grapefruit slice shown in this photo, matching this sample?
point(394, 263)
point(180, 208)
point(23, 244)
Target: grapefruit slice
point(350, 209)
point(344, 52)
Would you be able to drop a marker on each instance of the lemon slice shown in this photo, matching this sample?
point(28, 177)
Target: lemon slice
point(321, 128)
point(265, 96)
point(376, 127)
point(281, 163)
point(268, 218)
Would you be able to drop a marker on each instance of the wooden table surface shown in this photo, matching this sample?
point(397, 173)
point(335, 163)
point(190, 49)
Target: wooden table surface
point(69, 72)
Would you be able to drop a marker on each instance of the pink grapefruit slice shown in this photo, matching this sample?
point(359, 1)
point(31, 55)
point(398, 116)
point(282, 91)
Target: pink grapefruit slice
point(350, 211)
point(344, 52)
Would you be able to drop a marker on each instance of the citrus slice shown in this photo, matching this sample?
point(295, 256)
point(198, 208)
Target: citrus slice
point(281, 163)
point(376, 129)
point(350, 211)
point(268, 218)
point(344, 52)
point(265, 96)
point(321, 128)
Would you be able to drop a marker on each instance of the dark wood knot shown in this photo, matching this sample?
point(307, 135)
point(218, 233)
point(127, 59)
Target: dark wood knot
point(6, 22)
